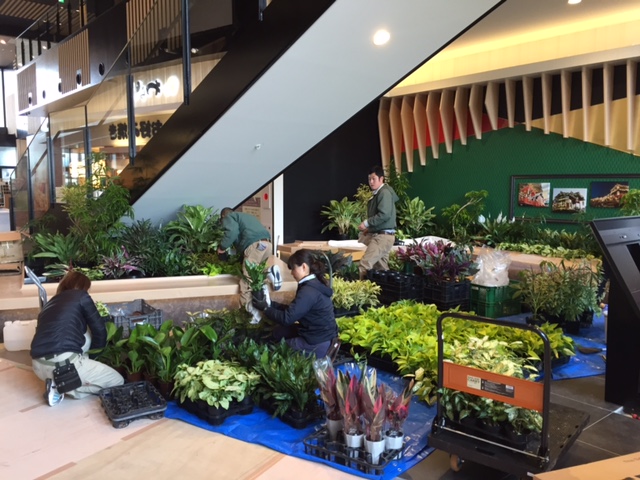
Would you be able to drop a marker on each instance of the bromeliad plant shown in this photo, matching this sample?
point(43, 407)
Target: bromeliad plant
point(398, 407)
point(374, 405)
point(349, 402)
point(326, 376)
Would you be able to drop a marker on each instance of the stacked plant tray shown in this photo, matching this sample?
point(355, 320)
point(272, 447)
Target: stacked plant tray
point(319, 445)
point(397, 286)
point(448, 295)
point(494, 302)
point(129, 314)
point(132, 401)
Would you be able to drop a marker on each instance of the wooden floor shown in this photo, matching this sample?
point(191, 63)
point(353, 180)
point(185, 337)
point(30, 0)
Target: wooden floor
point(75, 440)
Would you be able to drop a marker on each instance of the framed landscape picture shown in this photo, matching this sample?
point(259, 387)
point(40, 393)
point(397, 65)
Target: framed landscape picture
point(569, 200)
point(607, 194)
point(534, 194)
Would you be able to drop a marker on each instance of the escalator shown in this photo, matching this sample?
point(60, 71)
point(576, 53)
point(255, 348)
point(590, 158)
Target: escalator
point(282, 89)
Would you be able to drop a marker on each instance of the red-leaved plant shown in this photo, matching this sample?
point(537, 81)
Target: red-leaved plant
point(348, 390)
point(398, 407)
point(373, 405)
point(326, 376)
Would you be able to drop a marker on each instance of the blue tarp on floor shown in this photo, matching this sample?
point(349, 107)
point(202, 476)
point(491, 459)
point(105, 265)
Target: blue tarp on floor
point(260, 428)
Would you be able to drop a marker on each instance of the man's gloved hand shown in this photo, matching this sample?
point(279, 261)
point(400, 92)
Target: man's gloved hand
point(260, 304)
point(223, 255)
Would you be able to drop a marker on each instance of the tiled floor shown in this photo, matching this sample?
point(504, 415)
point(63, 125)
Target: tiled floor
point(607, 434)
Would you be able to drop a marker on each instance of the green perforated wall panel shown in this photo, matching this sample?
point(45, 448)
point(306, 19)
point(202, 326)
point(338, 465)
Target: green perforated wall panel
point(489, 163)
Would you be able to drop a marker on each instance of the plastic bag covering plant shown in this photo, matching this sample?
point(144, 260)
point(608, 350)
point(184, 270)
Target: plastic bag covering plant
point(256, 274)
point(398, 406)
point(373, 405)
point(196, 229)
point(326, 376)
point(120, 264)
point(349, 402)
point(216, 382)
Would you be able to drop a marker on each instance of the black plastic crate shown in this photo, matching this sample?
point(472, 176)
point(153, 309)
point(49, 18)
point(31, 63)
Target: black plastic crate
point(294, 418)
point(217, 416)
point(132, 401)
point(129, 314)
point(319, 445)
point(397, 286)
point(447, 293)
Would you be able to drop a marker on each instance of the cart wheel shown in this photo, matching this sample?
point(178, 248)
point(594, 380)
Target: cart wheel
point(455, 462)
point(156, 416)
point(121, 424)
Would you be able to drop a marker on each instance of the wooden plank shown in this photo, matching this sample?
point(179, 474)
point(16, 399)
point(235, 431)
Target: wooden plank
point(406, 115)
point(420, 121)
point(461, 109)
point(446, 116)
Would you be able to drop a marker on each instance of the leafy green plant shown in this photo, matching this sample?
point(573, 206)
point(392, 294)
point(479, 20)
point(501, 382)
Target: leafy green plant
point(196, 229)
point(161, 352)
point(287, 379)
point(414, 217)
point(461, 217)
point(397, 180)
point(630, 203)
point(357, 293)
point(341, 216)
point(493, 231)
point(64, 249)
point(95, 210)
point(114, 351)
point(445, 262)
point(148, 243)
point(102, 309)
point(217, 382)
point(256, 274)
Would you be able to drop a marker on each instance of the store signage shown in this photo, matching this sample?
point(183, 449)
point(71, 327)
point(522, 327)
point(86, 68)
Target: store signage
point(146, 129)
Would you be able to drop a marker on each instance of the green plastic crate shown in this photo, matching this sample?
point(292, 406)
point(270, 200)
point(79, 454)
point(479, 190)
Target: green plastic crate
point(497, 310)
point(480, 293)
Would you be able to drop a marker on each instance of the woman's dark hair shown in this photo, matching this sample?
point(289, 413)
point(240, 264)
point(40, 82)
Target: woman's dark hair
point(307, 256)
point(74, 281)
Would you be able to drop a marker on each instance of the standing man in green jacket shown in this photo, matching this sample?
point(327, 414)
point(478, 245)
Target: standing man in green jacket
point(248, 235)
point(378, 230)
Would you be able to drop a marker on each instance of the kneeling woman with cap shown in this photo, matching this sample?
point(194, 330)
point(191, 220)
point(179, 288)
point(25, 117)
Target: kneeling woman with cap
point(308, 323)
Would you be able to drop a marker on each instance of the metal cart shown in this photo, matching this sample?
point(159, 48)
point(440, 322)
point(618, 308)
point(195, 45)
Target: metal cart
point(560, 425)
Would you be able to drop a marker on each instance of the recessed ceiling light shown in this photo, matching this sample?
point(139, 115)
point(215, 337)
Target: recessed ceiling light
point(574, 2)
point(381, 37)
point(3, 41)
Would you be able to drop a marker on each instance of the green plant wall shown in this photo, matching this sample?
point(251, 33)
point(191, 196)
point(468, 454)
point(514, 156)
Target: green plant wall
point(489, 163)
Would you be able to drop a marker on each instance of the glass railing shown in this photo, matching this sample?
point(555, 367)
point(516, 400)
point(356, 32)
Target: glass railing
point(142, 89)
point(62, 20)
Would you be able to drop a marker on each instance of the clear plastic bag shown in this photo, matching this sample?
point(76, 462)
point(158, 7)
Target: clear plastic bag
point(493, 268)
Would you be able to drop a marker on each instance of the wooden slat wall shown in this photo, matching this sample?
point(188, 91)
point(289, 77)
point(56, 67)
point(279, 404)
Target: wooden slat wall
point(146, 19)
point(73, 60)
point(27, 84)
point(420, 116)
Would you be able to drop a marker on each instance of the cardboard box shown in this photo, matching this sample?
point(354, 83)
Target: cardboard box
point(618, 468)
point(10, 247)
point(11, 277)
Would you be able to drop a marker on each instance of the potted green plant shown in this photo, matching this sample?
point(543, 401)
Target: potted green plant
point(220, 385)
point(414, 217)
point(255, 274)
point(114, 351)
point(351, 296)
point(630, 203)
point(341, 216)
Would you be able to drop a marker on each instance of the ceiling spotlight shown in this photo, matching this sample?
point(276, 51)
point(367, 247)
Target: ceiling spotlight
point(574, 2)
point(194, 50)
point(381, 37)
point(3, 41)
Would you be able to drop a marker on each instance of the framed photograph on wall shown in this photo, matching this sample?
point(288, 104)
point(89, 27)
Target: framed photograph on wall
point(607, 194)
point(569, 200)
point(534, 194)
point(569, 196)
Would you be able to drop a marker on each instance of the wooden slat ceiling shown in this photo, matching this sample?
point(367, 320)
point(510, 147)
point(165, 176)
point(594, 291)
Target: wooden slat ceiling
point(17, 15)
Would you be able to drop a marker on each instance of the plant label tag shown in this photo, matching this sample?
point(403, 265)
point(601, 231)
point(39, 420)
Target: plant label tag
point(498, 388)
point(474, 382)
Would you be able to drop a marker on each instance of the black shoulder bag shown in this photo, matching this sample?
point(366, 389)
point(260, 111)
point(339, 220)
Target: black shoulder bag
point(66, 377)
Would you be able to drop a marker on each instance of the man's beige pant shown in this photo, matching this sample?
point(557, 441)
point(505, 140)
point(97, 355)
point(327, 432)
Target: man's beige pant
point(377, 255)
